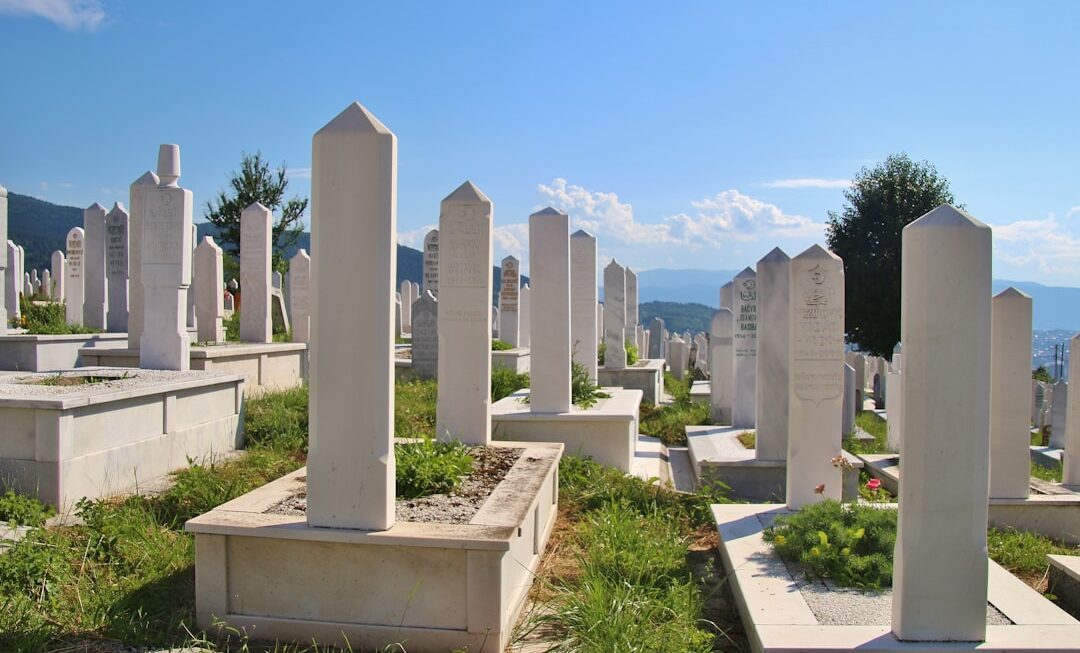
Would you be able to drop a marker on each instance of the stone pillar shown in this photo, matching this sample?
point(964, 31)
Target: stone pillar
point(95, 291)
point(73, 284)
point(3, 260)
point(28, 286)
point(13, 283)
point(524, 324)
point(744, 310)
point(191, 321)
point(816, 379)
point(207, 286)
point(773, 341)
point(583, 300)
point(721, 358)
point(631, 302)
point(847, 424)
point(1070, 458)
point(463, 408)
point(397, 315)
point(256, 225)
point(1010, 383)
point(859, 363)
point(896, 400)
point(1059, 403)
point(678, 357)
point(116, 268)
point(407, 300)
point(431, 262)
point(940, 564)
point(509, 297)
point(656, 338)
point(354, 233)
point(425, 338)
point(140, 192)
point(614, 316)
point(59, 276)
point(494, 321)
point(47, 284)
point(300, 295)
point(549, 266)
point(166, 268)
point(727, 296)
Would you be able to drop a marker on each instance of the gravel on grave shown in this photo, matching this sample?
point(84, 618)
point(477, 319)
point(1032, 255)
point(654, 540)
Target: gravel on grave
point(847, 606)
point(490, 465)
point(29, 384)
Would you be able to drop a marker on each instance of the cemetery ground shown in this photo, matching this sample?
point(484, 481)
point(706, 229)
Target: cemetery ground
point(631, 565)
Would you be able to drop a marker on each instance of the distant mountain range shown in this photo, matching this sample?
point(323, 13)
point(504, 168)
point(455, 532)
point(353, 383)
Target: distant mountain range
point(41, 228)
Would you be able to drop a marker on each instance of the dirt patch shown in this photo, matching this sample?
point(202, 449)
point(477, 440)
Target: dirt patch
point(490, 465)
point(69, 380)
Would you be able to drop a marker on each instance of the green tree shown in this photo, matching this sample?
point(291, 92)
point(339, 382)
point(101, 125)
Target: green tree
point(881, 201)
point(257, 183)
point(1040, 373)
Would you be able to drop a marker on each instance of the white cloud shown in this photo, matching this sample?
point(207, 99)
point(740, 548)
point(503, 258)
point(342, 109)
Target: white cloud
point(296, 173)
point(1048, 248)
point(71, 15)
point(415, 238)
point(808, 183)
point(726, 217)
point(512, 240)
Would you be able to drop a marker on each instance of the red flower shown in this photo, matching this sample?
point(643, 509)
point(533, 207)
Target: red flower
point(873, 484)
point(820, 489)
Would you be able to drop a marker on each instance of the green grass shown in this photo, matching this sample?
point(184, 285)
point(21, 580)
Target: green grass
point(875, 426)
point(628, 584)
point(1050, 474)
point(48, 319)
point(584, 393)
point(430, 467)
point(414, 410)
point(505, 382)
point(500, 345)
point(23, 511)
point(1024, 553)
point(669, 422)
point(852, 545)
point(748, 439)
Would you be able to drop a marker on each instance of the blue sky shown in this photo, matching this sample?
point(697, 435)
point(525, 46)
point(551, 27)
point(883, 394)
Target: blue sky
point(690, 135)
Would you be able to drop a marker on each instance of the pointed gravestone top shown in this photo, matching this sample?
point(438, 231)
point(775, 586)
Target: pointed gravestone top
point(947, 216)
point(168, 164)
point(355, 119)
point(723, 324)
point(303, 252)
point(467, 192)
point(3, 192)
point(508, 259)
point(118, 207)
point(745, 271)
point(777, 255)
point(1012, 292)
point(614, 262)
point(257, 206)
point(581, 233)
point(148, 178)
point(897, 349)
point(549, 211)
point(817, 251)
point(96, 206)
point(209, 240)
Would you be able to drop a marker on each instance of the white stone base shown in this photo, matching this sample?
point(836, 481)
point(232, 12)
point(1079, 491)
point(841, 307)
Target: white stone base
point(1064, 582)
point(777, 618)
point(717, 455)
point(646, 375)
point(606, 432)
point(264, 366)
point(512, 359)
point(1056, 516)
point(701, 392)
point(60, 444)
point(20, 352)
point(433, 587)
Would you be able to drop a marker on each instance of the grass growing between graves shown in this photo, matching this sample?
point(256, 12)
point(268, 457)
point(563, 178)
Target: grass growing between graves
point(505, 382)
point(1024, 554)
point(500, 345)
point(631, 567)
point(47, 320)
point(22, 511)
point(875, 426)
point(1049, 474)
point(669, 422)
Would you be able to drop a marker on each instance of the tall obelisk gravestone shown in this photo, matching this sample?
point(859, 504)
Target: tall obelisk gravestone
point(95, 292)
point(256, 226)
point(3, 258)
point(940, 564)
point(773, 366)
point(614, 316)
point(583, 300)
point(139, 193)
point(549, 266)
point(166, 268)
point(509, 294)
point(116, 268)
point(463, 409)
point(354, 236)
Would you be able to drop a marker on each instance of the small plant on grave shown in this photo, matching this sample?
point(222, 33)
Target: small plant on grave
point(601, 352)
point(1051, 474)
point(584, 393)
point(748, 439)
point(430, 467)
point(631, 353)
point(232, 327)
point(850, 544)
point(18, 510)
point(48, 319)
point(668, 422)
point(500, 345)
point(505, 382)
point(871, 491)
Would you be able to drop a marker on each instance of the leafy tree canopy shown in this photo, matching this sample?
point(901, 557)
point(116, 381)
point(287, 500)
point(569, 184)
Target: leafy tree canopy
point(255, 182)
point(881, 201)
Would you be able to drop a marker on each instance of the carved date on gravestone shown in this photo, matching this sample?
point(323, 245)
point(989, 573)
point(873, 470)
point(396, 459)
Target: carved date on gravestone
point(464, 246)
point(817, 330)
point(746, 320)
point(74, 257)
point(116, 249)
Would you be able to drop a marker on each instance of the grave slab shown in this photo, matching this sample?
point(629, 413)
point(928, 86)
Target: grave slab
point(646, 375)
point(777, 618)
point(45, 353)
point(607, 431)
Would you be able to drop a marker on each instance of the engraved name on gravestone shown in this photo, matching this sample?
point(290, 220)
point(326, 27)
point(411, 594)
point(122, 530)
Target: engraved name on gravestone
point(818, 315)
point(431, 262)
point(467, 269)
